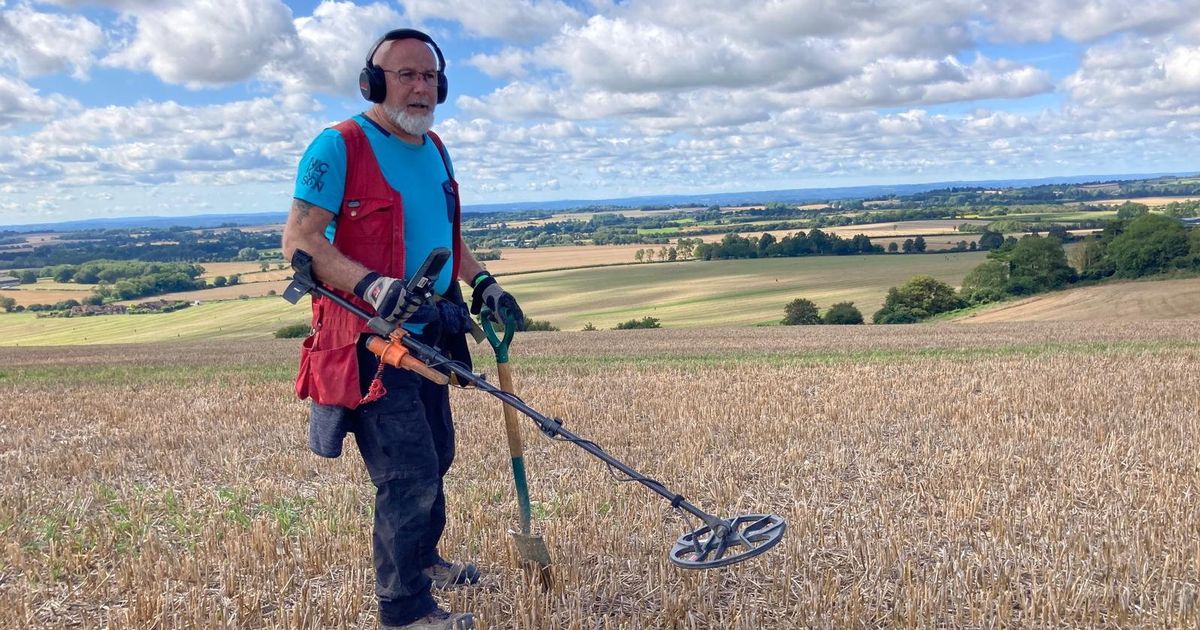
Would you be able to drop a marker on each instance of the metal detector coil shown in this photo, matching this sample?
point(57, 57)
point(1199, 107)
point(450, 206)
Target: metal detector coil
point(737, 539)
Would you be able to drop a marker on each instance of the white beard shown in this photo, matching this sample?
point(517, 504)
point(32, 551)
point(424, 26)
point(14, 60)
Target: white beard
point(416, 125)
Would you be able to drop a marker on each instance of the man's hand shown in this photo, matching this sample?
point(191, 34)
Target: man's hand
point(390, 297)
point(501, 303)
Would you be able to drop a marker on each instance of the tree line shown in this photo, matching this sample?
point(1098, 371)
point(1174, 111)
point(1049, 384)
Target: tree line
point(170, 245)
point(815, 243)
point(1149, 244)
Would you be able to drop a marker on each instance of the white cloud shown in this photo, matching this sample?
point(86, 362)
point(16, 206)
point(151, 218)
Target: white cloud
point(152, 143)
point(330, 48)
point(620, 97)
point(120, 5)
point(894, 82)
point(1085, 20)
point(206, 42)
point(625, 56)
point(41, 43)
point(509, 63)
point(20, 103)
point(520, 21)
point(517, 101)
point(1147, 75)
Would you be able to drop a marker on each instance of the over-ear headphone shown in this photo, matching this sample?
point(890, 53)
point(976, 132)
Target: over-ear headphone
point(372, 82)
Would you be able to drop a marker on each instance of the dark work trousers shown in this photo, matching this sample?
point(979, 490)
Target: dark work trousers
point(406, 440)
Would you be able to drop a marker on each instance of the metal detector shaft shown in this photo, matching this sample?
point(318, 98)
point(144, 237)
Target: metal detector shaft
point(553, 427)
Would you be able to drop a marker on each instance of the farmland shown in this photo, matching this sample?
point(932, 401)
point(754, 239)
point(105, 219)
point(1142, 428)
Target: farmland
point(736, 292)
point(938, 475)
point(697, 293)
point(1125, 301)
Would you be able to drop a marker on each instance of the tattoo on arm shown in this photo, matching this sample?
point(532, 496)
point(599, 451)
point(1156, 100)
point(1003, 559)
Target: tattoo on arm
point(301, 208)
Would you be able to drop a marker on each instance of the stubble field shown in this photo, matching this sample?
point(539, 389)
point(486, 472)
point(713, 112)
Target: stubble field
point(1124, 301)
point(937, 475)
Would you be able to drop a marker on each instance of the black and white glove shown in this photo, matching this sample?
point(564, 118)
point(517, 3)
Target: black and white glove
point(487, 292)
point(390, 297)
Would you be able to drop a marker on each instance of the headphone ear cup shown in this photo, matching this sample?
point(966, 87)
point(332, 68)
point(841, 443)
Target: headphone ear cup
point(443, 89)
point(372, 84)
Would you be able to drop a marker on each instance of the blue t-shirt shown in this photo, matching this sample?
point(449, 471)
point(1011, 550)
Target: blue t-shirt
point(417, 172)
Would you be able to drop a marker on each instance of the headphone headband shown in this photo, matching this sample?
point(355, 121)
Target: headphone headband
point(372, 83)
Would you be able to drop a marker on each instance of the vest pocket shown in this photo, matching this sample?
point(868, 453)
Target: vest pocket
point(329, 376)
point(368, 218)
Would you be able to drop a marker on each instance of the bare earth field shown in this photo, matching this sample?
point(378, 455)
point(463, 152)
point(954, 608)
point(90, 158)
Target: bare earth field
point(931, 475)
point(587, 216)
point(1127, 301)
point(908, 228)
point(25, 296)
point(522, 260)
point(1149, 201)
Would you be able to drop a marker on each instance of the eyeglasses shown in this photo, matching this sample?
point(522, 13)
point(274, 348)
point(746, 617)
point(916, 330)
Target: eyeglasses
point(410, 77)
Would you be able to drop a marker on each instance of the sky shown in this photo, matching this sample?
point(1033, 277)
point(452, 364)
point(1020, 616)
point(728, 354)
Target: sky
point(113, 108)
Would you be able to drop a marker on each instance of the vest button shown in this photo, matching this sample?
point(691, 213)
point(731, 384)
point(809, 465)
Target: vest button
point(354, 213)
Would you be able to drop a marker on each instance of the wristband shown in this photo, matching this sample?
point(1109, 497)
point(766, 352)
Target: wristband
point(479, 278)
point(360, 289)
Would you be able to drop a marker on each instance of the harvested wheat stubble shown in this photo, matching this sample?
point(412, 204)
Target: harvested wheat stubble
point(929, 477)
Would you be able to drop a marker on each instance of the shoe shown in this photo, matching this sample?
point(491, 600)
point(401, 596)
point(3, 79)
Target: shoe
point(437, 620)
point(449, 574)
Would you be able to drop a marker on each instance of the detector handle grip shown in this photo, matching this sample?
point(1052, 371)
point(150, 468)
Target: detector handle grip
point(393, 352)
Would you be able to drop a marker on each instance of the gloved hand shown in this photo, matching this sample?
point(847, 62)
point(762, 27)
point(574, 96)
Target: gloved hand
point(390, 297)
point(487, 292)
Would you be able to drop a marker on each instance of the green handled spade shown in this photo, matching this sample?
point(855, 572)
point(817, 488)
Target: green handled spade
point(531, 549)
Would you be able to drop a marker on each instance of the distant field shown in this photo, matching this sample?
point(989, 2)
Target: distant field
point(47, 291)
point(936, 226)
point(1148, 201)
point(50, 296)
point(524, 259)
point(1073, 215)
point(214, 269)
point(729, 293)
point(877, 232)
point(587, 216)
point(257, 318)
point(734, 293)
point(1126, 301)
point(248, 289)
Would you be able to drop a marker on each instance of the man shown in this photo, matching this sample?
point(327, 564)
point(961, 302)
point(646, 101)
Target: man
point(374, 196)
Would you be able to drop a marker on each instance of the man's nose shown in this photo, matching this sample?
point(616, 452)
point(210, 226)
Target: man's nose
point(422, 87)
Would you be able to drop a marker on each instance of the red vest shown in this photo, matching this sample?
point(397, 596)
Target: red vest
point(370, 231)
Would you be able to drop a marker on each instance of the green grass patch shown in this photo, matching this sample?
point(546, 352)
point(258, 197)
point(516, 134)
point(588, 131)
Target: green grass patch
point(681, 294)
point(251, 318)
point(723, 293)
point(1060, 217)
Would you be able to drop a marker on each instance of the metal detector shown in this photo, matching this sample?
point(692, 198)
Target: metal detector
point(720, 542)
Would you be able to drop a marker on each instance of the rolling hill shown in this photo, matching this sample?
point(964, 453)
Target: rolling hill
point(1123, 301)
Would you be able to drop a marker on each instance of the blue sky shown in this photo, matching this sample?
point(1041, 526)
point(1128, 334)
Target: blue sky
point(164, 107)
